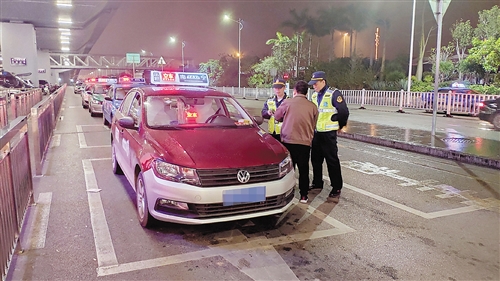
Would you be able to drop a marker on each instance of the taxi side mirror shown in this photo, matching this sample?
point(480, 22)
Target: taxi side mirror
point(107, 98)
point(127, 122)
point(258, 119)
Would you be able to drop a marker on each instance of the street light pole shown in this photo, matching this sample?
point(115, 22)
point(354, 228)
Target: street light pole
point(240, 27)
point(183, 65)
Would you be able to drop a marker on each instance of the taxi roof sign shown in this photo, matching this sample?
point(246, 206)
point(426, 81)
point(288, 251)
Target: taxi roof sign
point(178, 78)
point(134, 80)
point(108, 81)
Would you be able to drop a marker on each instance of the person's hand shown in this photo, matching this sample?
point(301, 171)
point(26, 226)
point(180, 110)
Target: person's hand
point(270, 112)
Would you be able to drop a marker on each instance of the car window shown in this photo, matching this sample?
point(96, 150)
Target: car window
point(126, 103)
point(189, 111)
point(109, 94)
point(136, 109)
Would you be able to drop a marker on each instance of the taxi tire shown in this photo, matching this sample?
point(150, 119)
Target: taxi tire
point(145, 218)
point(117, 170)
point(105, 121)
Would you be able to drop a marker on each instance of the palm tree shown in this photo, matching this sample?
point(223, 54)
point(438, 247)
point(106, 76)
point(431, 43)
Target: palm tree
point(297, 23)
point(385, 24)
point(332, 20)
point(356, 18)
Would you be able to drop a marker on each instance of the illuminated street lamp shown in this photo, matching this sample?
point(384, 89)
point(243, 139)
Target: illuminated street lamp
point(343, 50)
point(240, 27)
point(183, 44)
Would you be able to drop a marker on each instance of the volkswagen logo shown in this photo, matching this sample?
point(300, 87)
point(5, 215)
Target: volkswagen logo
point(243, 176)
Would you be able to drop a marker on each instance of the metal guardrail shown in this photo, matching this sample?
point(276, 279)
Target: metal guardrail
point(19, 137)
point(15, 103)
point(450, 103)
point(16, 188)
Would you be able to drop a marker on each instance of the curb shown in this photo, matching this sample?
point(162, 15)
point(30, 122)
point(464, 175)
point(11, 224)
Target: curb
point(434, 151)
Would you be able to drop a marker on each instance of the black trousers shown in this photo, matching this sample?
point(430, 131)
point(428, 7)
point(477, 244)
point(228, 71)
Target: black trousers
point(276, 136)
point(300, 158)
point(324, 147)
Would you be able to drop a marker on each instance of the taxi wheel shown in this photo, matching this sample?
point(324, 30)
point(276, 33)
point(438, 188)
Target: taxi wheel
point(143, 214)
point(116, 167)
point(106, 123)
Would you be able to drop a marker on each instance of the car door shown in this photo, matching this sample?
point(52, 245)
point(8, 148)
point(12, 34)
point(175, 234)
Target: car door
point(107, 104)
point(133, 137)
point(121, 137)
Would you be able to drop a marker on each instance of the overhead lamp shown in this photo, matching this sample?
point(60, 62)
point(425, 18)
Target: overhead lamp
point(65, 48)
point(65, 42)
point(64, 20)
point(64, 3)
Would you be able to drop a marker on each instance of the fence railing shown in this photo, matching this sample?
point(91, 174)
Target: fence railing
point(20, 135)
point(446, 102)
point(14, 103)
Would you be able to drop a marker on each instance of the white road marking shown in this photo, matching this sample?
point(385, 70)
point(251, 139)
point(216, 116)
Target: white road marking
point(105, 251)
point(41, 221)
point(228, 250)
point(55, 140)
point(425, 215)
point(81, 138)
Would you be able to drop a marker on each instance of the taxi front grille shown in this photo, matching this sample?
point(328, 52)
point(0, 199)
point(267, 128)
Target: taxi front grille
point(219, 210)
point(222, 177)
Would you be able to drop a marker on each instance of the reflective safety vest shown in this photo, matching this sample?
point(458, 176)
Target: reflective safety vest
point(274, 127)
point(326, 110)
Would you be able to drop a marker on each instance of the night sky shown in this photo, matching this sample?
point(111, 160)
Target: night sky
point(147, 25)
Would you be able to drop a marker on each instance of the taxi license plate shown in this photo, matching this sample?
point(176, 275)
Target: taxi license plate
point(244, 195)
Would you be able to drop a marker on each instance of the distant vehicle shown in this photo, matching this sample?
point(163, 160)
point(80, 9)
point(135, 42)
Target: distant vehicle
point(11, 80)
point(463, 100)
point(98, 91)
point(194, 155)
point(489, 111)
point(87, 93)
point(115, 95)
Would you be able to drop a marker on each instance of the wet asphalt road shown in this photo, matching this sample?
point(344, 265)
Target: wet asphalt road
point(401, 216)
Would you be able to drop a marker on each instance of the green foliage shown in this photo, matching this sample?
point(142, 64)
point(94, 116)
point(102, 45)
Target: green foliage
point(486, 89)
point(421, 86)
point(486, 53)
point(213, 69)
point(488, 26)
point(394, 76)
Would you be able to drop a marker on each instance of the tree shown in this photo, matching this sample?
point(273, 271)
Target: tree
point(283, 50)
point(422, 47)
point(386, 25)
point(446, 66)
point(355, 20)
point(461, 33)
point(214, 70)
point(486, 53)
point(488, 25)
point(332, 20)
point(298, 24)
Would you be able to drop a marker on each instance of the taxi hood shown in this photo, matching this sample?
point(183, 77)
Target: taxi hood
point(209, 148)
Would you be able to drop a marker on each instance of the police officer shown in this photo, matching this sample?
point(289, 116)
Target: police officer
point(333, 115)
point(270, 106)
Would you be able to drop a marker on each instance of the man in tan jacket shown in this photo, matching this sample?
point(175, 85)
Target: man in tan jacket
point(299, 117)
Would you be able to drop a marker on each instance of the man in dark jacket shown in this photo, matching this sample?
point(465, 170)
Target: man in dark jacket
point(333, 115)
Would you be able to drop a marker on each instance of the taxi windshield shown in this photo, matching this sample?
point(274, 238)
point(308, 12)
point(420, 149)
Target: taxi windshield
point(206, 111)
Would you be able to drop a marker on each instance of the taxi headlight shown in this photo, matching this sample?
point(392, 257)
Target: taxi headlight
point(285, 166)
point(175, 173)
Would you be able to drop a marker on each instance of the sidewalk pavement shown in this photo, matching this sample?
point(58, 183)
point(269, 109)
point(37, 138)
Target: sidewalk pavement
point(460, 138)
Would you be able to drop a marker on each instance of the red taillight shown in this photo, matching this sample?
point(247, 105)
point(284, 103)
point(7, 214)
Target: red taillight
point(480, 104)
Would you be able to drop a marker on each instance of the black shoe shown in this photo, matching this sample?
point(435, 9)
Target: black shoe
point(315, 187)
point(334, 193)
